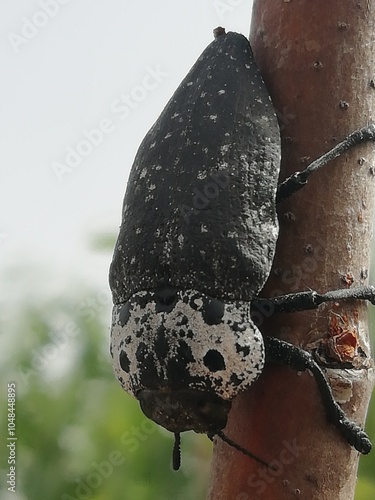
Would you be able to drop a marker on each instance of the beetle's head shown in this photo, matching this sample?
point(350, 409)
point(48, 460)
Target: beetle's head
point(185, 355)
point(185, 409)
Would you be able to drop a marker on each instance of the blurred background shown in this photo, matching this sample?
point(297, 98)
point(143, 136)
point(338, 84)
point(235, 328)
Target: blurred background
point(81, 84)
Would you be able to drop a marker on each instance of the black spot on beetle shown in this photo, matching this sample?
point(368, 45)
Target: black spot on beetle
point(195, 301)
point(161, 344)
point(148, 376)
point(165, 299)
point(213, 311)
point(182, 320)
point(214, 360)
point(144, 319)
point(124, 314)
point(142, 352)
point(245, 349)
point(178, 373)
point(184, 353)
point(235, 380)
point(190, 334)
point(238, 327)
point(143, 300)
point(124, 361)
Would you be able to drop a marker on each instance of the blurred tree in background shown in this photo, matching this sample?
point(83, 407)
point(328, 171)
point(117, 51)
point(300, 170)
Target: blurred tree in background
point(79, 435)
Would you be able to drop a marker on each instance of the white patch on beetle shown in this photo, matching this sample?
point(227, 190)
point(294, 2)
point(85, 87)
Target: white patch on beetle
point(197, 300)
point(144, 336)
point(180, 240)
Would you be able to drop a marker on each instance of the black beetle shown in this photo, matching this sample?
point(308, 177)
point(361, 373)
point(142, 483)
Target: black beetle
point(196, 245)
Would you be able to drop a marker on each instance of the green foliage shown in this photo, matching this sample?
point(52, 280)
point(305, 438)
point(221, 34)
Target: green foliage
point(102, 242)
point(366, 477)
point(79, 435)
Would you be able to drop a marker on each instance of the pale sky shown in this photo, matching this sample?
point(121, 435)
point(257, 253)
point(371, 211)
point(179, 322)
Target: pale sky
point(69, 69)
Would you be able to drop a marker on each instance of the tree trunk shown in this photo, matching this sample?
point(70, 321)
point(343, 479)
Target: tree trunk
point(317, 59)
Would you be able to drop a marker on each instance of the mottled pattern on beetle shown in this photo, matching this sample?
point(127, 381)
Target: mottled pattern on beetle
point(192, 341)
point(199, 211)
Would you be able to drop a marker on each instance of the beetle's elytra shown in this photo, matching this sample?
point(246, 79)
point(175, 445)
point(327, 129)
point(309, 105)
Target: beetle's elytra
point(196, 245)
point(199, 211)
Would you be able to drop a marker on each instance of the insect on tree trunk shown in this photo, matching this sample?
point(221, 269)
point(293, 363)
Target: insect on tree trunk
point(317, 59)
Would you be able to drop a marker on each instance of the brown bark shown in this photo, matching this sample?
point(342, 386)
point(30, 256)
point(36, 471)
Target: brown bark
point(317, 58)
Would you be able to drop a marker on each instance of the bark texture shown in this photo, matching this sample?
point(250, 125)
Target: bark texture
point(317, 59)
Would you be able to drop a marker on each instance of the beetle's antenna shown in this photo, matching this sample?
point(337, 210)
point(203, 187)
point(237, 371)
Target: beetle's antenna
point(176, 455)
point(238, 447)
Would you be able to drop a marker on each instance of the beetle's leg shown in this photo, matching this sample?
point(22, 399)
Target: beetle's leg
point(282, 352)
point(302, 301)
point(299, 179)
